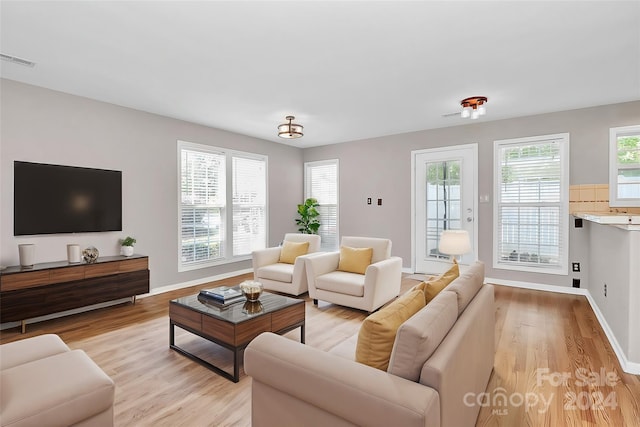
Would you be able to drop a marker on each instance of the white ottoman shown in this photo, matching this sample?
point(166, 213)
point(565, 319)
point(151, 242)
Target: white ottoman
point(63, 389)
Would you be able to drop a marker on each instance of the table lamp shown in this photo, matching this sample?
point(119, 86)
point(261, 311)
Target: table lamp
point(454, 243)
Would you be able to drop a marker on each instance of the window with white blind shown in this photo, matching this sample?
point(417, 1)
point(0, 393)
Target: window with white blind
point(222, 205)
point(624, 166)
point(321, 183)
point(531, 207)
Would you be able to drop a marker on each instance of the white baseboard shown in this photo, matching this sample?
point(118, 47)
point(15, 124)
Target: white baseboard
point(537, 286)
point(626, 365)
point(167, 288)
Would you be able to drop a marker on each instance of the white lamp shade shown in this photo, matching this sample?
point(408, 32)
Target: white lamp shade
point(454, 242)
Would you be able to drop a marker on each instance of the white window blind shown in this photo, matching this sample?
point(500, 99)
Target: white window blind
point(624, 166)
point(321, 183)
point(531, 206)
point(202, 205)
point(212, 180)
point(249, 205)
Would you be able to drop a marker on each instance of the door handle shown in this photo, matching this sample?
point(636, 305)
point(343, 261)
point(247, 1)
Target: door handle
point(469, 219)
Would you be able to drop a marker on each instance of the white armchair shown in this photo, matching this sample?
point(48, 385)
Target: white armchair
point(283, 277)
point(369, 291)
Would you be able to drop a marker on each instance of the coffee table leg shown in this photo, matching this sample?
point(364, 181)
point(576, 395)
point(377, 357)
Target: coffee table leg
point(236, 365)
point(302, 333)
point(172, 334)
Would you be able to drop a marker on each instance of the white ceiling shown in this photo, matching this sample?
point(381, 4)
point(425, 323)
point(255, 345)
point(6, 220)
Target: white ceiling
point(346, 70)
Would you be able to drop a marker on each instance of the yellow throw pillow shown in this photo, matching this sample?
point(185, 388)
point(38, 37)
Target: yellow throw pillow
point(354, 260)
point(291, 250)
point(434, 286)
point(378, 331)
point(422, 285)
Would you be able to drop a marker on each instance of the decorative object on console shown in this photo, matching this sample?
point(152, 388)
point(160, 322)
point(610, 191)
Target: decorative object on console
point(290, 130)
point(126, 247)
point(308, 222)
point(73, 254)
point(27, 252)
point(454, 243)
point(90, 254)
point(473, 107)
point(251, 290)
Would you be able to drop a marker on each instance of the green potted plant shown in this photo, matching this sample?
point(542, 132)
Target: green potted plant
point(308, 222)
point(127, 245)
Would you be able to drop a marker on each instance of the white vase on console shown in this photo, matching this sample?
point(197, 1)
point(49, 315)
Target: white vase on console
point(27, 252)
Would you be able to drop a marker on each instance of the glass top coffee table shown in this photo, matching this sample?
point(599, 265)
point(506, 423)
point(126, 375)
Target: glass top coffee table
point(234, 326)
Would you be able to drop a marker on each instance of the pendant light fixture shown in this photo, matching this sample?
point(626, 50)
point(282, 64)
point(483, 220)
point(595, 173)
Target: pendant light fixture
point(473, 107)
point(290, 130)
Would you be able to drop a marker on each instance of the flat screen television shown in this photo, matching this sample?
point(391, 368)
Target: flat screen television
point(51, 199)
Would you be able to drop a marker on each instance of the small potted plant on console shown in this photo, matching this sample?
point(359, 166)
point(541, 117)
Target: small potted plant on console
point(127, 246)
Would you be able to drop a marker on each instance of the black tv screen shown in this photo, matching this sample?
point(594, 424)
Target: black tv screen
point(52, 199)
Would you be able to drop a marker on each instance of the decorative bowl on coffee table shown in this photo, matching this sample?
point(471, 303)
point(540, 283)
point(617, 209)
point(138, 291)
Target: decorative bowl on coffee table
point(251, 290)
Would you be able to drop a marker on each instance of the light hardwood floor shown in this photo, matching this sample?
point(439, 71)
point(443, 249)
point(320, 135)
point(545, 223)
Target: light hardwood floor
point(535, 330)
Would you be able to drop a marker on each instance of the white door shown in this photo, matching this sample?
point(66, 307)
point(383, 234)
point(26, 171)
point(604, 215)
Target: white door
point(445, 186)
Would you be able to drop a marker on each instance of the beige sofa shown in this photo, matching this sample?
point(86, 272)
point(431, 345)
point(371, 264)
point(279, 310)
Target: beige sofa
point(442, 358)
point(44, 383)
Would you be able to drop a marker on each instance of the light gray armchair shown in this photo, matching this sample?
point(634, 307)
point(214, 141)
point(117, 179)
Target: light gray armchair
point(281, 276)
point(369, 291)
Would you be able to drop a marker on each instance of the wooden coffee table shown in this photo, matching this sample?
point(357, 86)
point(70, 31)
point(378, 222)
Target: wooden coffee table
point(233, 327)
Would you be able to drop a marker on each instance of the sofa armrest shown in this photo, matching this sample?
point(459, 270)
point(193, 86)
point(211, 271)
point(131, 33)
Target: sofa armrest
point(317, 264)
point(263, 257)
point(382, 280)
point(294, 384)
point(300, 272)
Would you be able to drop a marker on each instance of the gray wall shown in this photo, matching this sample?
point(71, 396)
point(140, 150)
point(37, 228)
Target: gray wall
point(45, 126)
point(381, 168)
point(614, 255)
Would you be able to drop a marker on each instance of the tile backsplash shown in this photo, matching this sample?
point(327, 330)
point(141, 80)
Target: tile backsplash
point(593, 198)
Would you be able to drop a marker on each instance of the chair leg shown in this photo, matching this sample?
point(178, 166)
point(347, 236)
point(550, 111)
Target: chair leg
point(315, 302)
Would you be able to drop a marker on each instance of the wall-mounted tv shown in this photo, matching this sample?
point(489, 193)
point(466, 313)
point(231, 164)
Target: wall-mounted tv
point(51, 199)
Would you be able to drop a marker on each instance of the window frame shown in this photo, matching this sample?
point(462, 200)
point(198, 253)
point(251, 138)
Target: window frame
point(563, 237)
point(227, 219)
point(614, 166)
point(307, 191)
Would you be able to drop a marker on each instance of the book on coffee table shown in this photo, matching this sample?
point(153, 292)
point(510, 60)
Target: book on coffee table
point(223, 294)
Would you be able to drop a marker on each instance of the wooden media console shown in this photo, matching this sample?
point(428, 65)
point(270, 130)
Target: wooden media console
point(53, 287)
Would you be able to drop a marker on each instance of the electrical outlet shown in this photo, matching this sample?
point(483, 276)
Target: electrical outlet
point(368, 200)
point(576, 283)
point(605, 290)
point(575, 266)
point(379, 202)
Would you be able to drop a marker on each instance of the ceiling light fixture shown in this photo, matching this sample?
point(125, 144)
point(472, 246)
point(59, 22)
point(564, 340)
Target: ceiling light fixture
point(473, 107)
point(290, 130)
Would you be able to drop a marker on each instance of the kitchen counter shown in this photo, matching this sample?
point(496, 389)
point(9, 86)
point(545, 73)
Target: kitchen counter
point(625, 221)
